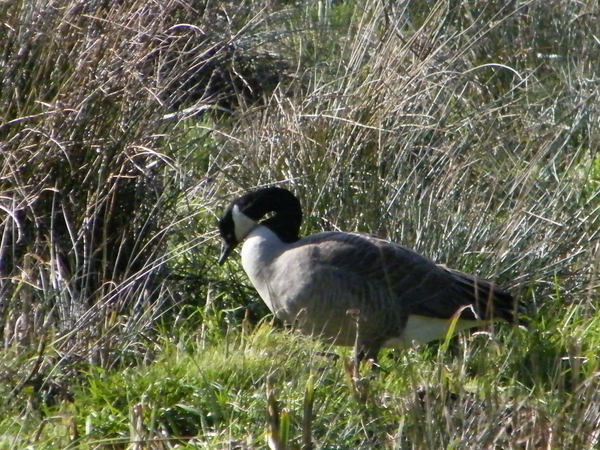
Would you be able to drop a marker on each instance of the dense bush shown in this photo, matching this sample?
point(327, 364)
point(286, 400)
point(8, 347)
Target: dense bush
point(91, 95)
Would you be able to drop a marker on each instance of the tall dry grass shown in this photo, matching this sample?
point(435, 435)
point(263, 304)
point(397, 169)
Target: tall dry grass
point(95, 156)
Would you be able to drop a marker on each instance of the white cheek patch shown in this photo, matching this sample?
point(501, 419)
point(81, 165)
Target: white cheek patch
point(243, 224)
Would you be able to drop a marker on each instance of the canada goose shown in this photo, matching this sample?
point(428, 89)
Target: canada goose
point(352, 289)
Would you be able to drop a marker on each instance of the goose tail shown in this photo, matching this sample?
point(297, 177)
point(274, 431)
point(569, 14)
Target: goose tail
point(489, 300)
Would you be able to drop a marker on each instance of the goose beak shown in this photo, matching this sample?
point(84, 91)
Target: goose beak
point(226, 250)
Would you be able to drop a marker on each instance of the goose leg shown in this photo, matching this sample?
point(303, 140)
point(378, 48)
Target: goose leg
point(367, 351)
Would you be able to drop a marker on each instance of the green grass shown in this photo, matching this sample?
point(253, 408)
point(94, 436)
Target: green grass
point(467, 131)
point(486, 391)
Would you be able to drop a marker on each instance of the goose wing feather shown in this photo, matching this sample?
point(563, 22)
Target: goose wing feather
point(394, 278)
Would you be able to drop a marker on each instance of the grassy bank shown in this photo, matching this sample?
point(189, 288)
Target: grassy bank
point(466, 131)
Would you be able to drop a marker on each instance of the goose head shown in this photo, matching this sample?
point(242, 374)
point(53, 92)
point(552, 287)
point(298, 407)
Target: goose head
point(244, 214)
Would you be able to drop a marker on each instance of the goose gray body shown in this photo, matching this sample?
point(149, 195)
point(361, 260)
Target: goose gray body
point(351, 289)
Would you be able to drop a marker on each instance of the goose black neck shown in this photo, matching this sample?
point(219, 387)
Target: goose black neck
point(287, 218)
